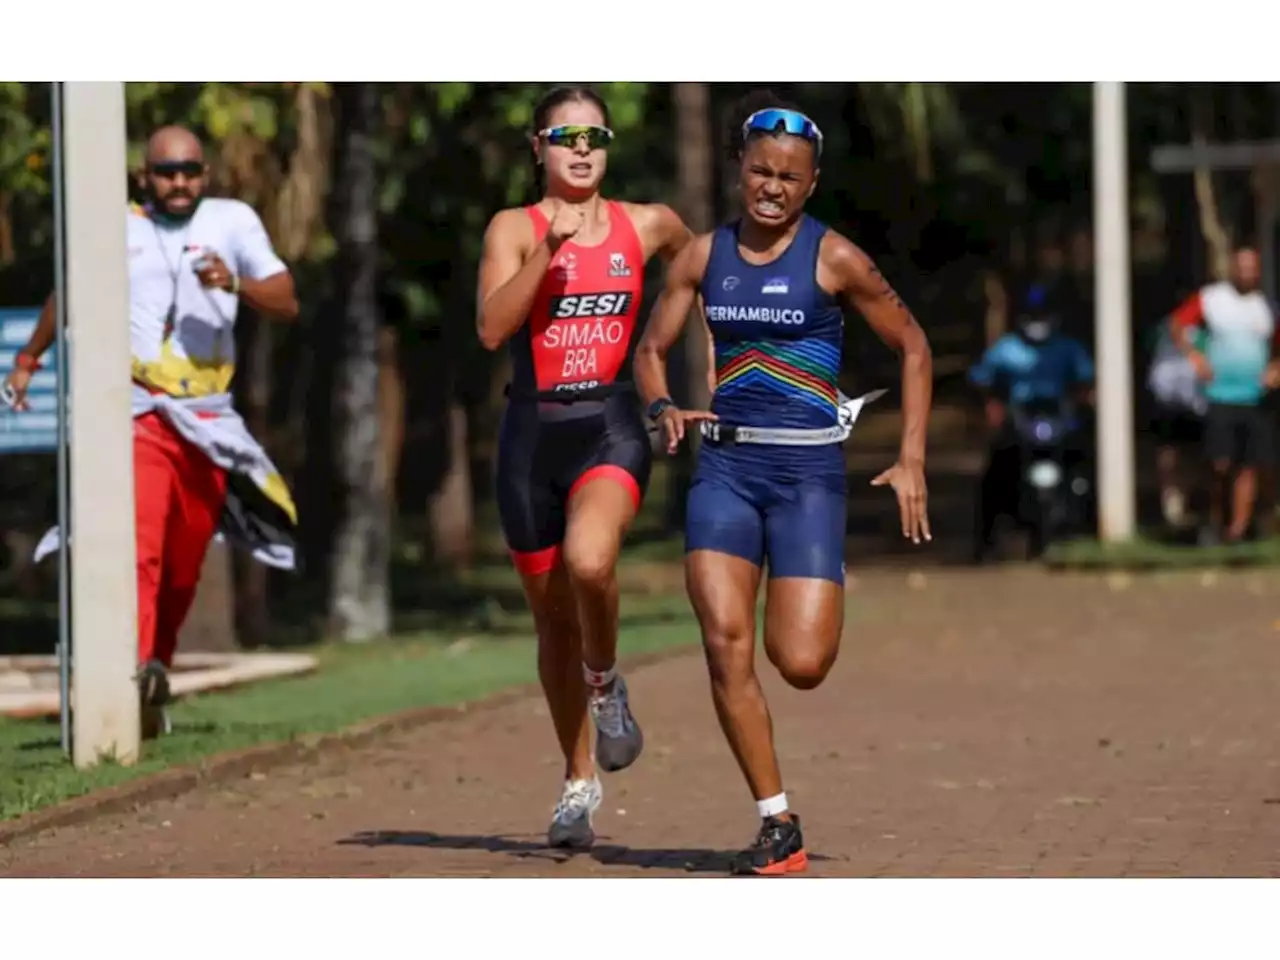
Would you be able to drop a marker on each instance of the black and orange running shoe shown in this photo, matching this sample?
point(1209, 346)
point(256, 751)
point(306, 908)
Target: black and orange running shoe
point(778, 850)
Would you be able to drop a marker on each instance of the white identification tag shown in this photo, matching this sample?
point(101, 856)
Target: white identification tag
point(850, 408)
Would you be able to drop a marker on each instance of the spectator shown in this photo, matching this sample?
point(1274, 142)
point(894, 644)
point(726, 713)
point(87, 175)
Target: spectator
point(1178, 422)
point(197, 472)
point(1237, 367)
point(1035, 362)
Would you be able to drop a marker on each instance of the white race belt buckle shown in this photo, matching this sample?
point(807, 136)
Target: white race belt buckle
point(847, 412)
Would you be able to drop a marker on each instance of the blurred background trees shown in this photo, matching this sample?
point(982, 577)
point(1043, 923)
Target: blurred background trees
point(381, 407)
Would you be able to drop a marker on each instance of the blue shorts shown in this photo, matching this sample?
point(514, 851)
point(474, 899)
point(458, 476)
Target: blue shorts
point(798, 527)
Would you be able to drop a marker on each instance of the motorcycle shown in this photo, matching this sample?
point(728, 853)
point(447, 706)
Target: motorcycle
point(1055, 488)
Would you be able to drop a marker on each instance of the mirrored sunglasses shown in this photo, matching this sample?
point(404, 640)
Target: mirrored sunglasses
point(568, 135)
point(775, 120)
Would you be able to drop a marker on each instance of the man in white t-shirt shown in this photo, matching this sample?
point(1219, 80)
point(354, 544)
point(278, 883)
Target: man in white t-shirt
point(1237, 367)
point(192, 261)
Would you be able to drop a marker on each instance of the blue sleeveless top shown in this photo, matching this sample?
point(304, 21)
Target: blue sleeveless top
point(778, 342)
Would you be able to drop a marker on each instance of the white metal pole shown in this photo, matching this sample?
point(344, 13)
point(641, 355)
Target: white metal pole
point(104, 638)
point(1113, 325)
point(64, 474)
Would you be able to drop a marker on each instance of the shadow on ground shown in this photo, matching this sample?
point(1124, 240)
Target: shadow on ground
point(687, 859)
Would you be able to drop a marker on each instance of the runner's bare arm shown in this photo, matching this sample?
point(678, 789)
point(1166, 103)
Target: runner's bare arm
point(712, 379)
point(860, 284)
point(265, 283)
point(660, 228)
point(668, 318)
point(1185, 319)
point(1271, 375)
point(673, 235)
point(508, 282)
point(45, 331)
point(274, 297)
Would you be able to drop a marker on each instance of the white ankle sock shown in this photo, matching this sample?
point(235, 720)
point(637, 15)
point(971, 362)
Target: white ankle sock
point(599, 679)
point(772, 806)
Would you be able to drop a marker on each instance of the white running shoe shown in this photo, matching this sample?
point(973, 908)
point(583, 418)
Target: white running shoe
point(571, 822)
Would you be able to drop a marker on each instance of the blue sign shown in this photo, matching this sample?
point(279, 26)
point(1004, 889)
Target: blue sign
point(34, 430)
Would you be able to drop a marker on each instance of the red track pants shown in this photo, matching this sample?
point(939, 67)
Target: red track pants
point(179, 495)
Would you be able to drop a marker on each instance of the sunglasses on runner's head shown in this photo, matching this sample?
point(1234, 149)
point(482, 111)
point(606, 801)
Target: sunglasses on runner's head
point(567, 135)
point(793, 122)
point(168, 169)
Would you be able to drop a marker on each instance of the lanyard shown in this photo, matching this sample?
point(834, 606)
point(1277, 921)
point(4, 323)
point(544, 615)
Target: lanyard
point(175, 273)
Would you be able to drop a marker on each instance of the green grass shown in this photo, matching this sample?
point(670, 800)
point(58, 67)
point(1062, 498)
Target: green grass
point(352, 684)
point(1146, 554)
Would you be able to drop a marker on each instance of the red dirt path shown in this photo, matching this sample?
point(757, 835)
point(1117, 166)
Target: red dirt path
point(977, 724)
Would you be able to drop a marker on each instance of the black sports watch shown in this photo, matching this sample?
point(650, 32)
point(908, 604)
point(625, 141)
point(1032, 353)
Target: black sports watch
point(654, 410)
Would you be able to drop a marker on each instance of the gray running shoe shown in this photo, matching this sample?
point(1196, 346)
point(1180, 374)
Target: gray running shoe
point(571, 822)
point(618, 737)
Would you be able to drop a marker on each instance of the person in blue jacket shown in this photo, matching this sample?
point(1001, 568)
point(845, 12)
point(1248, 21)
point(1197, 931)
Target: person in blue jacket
point(1034, 362)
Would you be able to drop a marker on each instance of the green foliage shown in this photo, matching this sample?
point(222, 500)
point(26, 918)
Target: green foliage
point(24, 143)
point(215, 111)
point(1147, 555)
point(908, 162)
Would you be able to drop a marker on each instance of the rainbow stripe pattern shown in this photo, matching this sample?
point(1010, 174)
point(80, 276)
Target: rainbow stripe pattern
point(802, 370)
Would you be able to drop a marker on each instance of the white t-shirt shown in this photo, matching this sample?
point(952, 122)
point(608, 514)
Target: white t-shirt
point(194, 355)
point(1241, 330)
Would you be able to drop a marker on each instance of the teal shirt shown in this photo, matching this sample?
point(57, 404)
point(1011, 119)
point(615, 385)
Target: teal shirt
point(1241, 329)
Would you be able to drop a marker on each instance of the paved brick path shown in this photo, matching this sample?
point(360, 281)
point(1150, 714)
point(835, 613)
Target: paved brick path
point(978, 724)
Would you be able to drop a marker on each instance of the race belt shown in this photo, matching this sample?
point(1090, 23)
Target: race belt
point(847, 411)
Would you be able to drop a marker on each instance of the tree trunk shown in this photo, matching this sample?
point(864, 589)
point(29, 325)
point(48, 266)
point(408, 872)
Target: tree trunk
point(1216, 239)
point(695, 172)
point(914, 105)
point(300, 205)
point(450, 506)
point(210, 627)
point(450, 510)
point(391, 398)
point(359, 606)
point(252, 613)
point(290, 199)
point(7, 251)
point(996, 315)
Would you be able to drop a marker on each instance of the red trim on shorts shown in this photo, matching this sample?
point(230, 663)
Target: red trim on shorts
point(536, 562)
point(612, 472)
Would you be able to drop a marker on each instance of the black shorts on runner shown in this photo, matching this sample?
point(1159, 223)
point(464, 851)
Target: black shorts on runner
point(546, 451)
point(1242, 435)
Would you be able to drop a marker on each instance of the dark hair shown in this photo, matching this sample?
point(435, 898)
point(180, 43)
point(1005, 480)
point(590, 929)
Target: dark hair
point(543, 109)
point(745, 107)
